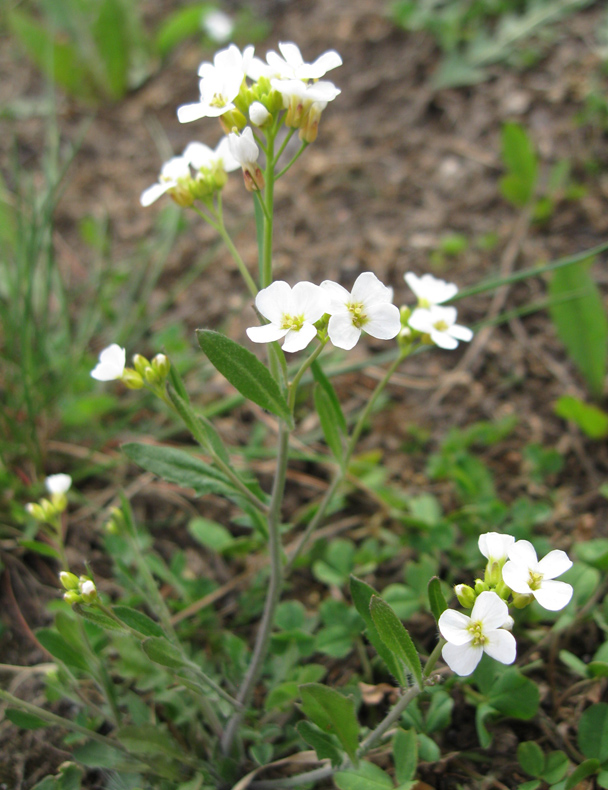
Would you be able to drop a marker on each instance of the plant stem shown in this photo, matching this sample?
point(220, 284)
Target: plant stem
point(269, 177)
point(293, 160)
point(341, 470)
point(293, 387)
point(274, 591)
point(283, 146)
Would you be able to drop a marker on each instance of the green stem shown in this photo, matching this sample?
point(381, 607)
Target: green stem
point(274, 591)
point(293, 387)
point(293, 160)
point(269, 177)
point(341, 470)
point(288, 137)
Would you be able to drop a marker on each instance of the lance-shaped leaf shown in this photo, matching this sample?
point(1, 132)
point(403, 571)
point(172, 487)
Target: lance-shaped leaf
point(245, 372)
point(162, 652)
point(362, 593)
point(329, 423)
point(436, 598)
point(323, 744)
point(138, 621)
point(326, 385)
point(57, 646)
point(394, 635)
point(333, 713)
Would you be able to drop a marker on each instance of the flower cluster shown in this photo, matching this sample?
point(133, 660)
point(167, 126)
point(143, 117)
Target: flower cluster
point(512, 571)
point(111, 367)
point(47, 510)
point(78, 589)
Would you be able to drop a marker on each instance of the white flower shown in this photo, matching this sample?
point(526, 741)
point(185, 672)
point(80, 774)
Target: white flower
point(219, 85)
point(170, 175)
point(111, 364)
point(58, 484)
point(200, 156)
point(258, 114)
point(304, 104)
point(468, 638)
point(440, 324)
point(291, 66)
point(525, 575)
point(218, 26)
point(292, 313)
point(430, 290)
point(369, 307)
point(244, 150)
point(494, 546)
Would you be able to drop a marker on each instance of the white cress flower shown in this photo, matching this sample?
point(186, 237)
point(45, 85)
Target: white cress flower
point(495, 546)
point(304, 104)
point(111, 364)
point(468, 638)
point(218, 26)
point(245, 151)
point(430, 290)
point(201, 157)
point(219, 85)
point(525, 575)
point(172, 172)
point(368, 306)
point(292, 313)
point(440, 324)
point(58, 484)
point(291, 65)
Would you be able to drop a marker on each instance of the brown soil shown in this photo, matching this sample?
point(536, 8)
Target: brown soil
point(395, 168)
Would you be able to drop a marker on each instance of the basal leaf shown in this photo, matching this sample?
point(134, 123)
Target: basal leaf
point(323, 744)
point(24, 720)
point(333, 713)
point(57, 646)
point(592, 420)
point(593, 732)
point(366, 777)
point(405, 755)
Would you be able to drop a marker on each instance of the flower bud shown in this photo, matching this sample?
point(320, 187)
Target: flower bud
point(465, 594)
point(132, 379)
point(161, 365)
point(140, 363)
point(521, 601)
point(72, 597)
point(258, 114)
point(87, 589)
point(231, 119)
point(69, 581)
point(48, 510)
point(34, 509)
point(480, 586)
point(59, 502)
point(151, 377)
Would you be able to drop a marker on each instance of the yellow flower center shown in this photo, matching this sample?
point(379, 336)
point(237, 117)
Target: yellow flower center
point(359, 318)
point(535, 580)
point(218, 100)
point(476, 631)
point(441, 326)
point(295, 322)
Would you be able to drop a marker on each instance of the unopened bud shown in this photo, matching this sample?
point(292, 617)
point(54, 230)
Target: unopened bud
point(48, 510)
point(151, 376)
point(254, 180)
point(72, 597)
point(60, 502)
point(521, 601)
point(466, 595)
point(34, 509)
point(132, 379)
point(480, 586)
point(87, 589)
point(258, 114)
point(231, 119)
point(69, 581)
point(140, 363)
point(404, 314)
point(161, 365)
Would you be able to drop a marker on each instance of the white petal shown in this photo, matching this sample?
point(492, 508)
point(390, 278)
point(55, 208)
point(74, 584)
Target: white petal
point(554, 564)
point(384, 321)
point(342, 332)
point(58, 484)
point(523, 553)
point(198, 155)
point(326, 62)
point(265, 334)
point(338, 295)
point(275, 301)
point(369, 290)
point(501, 645)
point(258, 114)
point(298, 340)
point(516, 576)
point(311, 301)
point(111, 363)
point(421, 320)
point(443, 340)
point(453, 626)
point(190, 112)
point(553, 595)
point(495, 545)
point(491, 610)
point(461, 332)
point(462, 659)
point(151, 194)
point(222, 153)
point(291, 53)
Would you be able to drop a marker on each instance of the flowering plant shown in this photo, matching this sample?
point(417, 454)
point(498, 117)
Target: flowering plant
point(260, 106)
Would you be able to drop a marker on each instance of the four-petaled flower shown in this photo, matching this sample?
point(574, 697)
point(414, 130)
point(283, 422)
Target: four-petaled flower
point(172, 172)
point(292, 313)
point(58, 484)
point(440, 324)
point(430, 290)
point(525, 575)
point(495, 546)
point(201, 157)
point(468, 638)
point(111, 364)
point(304, 104)
point(220, 84)
point(368, 307)
point(292, 66)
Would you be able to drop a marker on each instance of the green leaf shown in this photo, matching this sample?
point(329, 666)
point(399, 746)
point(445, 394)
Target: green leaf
point(162, 652)
point(109, 32)
point(593, 732)
point(202, 430)
point(178, 466)
point(39, 547)
point(592, 420)
point(148, 739)
point(138, 621)
point(333, 713)
point(210, 534)
point(179, 25)
point(531, 758)
point(588, 768)
point(99, 755)
point(437, 600)
point(366, 777)
point(245, 372)
point(405, 755)
point(514, 695)
point(26, 721)
point(329, 424)
point(323, 744)
point(521, 162)
point(57, 646)
point(394, 635)
point(361, 593)
point(556, 766)
point(93, 615)
point(326, 385)
point(581, 322)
